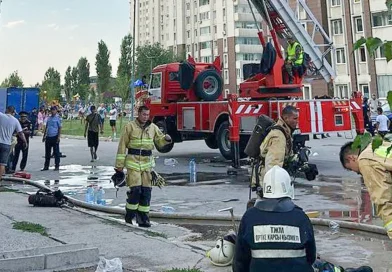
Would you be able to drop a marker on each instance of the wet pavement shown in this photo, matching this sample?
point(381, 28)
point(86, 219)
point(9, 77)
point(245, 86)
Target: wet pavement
point(336, 194)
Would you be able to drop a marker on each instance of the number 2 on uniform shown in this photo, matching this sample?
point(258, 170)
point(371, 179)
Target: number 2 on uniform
point(269, 189)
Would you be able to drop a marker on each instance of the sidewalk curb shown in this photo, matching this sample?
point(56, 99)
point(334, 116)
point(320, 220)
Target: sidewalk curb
point(49, 258)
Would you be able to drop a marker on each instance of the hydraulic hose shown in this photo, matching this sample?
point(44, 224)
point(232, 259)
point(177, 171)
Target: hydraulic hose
point(178, 216)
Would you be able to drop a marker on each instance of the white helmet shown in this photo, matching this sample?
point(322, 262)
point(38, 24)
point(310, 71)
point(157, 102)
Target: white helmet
point(223, 252)
point(277, 184)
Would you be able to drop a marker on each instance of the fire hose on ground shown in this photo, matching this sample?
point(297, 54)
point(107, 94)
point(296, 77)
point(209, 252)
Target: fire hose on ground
point(215, 218)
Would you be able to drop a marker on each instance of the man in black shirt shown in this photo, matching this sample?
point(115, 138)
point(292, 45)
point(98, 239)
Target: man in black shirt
point(26, 127)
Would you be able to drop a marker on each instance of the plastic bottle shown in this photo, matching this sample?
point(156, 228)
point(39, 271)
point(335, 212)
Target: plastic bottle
point(192, 171)
point(170, 162)
point(168, 209)
point(99, 196)
point(334, 226)
point(90, 194)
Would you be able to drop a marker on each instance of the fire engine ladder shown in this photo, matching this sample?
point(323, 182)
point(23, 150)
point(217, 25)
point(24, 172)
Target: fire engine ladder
point(281, 17)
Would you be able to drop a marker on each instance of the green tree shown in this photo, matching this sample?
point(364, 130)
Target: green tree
point(68, 84)
point(103, 68)
point(125, 62)
point(52, 84)
point(13, 80)
point(122, 88)
point(83, 70)
point(75, 81)
point(149, 56)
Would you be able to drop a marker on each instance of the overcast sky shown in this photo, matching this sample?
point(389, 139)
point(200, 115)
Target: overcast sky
point(37, 34)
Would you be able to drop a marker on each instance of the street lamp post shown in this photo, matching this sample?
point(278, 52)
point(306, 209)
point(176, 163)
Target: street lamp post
point(133, 63)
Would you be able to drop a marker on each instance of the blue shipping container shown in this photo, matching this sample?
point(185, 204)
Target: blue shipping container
point(3, 99)
point(23, 99)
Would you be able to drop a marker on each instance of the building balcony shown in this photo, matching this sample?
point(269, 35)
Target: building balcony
point(245, 32)
point(205, 38)
point(205, 52)
point(246, 17)
point(248, 48)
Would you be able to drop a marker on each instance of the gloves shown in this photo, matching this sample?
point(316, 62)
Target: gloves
point(157, 180)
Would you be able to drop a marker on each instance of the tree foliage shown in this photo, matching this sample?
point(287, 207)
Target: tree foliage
point(122, 87)
point(13, 80)
point(103, 68)
point(52, 84)
point(68, 84)
point(151, 55)
point(124, 68)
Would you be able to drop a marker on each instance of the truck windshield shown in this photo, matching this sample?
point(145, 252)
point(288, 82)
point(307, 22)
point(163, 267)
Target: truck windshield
point(155, 90)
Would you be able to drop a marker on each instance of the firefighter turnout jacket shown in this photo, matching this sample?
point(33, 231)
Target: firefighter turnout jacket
point(276, 148)
point(376, 170)
point(275, 236)
point(138, 160)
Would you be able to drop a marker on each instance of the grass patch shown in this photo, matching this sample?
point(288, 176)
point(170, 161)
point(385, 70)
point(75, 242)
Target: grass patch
point(7, 190)
point(30, 227)
point(75, 128)
point(155, 234)
point(184, 270)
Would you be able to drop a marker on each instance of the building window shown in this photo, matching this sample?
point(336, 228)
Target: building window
point(337, 27)
point(362, 54)
point(188, 34)
point(340, 56)
point(307, 92)
point(225, 61)
point(335, 3)
point(226, 77)
point(205, 45)
point(365, 90)
point(357, 1)
point(188, 48)
point(188, 20)
point(204, 2)
point(342, 91)
point(205, 30)
point(380, 53)
point(358, 23)
point(238, 73)
point(381, 19)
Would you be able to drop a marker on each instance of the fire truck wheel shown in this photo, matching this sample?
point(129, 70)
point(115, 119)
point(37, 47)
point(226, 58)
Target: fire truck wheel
point(223, 141)
point(208, 85)
point(211, 142)
point(167, 148)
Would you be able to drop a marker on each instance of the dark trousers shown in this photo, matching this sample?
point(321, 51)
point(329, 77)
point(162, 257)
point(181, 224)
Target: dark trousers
point(51, 142)
point(25, 153)
point(138, 203)
point(33, 124)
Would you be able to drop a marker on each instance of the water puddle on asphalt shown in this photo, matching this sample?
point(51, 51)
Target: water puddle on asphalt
point(352, 193)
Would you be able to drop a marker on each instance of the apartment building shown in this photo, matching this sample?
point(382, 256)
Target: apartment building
point(349, 20)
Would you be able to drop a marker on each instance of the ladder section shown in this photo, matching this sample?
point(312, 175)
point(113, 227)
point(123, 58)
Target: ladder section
point(285, 22)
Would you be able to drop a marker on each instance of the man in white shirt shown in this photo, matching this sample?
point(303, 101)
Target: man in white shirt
point(374, 103)
point(102, 113)
point(382, 123)
point(8, 125)
point(112, 119)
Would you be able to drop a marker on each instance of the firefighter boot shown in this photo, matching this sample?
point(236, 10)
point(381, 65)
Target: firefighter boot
point(129, 216)
point(142, 220)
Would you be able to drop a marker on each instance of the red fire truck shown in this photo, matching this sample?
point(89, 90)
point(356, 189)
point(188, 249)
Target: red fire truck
point(186, 98)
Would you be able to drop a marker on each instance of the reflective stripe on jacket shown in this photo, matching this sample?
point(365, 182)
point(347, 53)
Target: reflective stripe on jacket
point(138, 137)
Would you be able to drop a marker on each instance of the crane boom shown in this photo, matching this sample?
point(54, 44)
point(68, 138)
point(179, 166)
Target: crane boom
point(284, 22)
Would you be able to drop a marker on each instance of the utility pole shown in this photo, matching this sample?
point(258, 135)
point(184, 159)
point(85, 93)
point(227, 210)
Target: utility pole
point(133, 62)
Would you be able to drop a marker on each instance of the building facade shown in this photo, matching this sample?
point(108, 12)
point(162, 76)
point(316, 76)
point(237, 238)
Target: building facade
point(349, 20)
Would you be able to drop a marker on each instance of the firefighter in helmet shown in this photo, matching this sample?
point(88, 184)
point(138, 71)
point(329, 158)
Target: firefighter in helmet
point(376, 170)
point(295, 57)
point(138, 138)
point(277, 147)
point(275, 235)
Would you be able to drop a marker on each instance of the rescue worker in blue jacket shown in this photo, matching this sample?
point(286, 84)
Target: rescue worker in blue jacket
point(275, 235)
